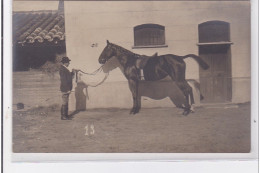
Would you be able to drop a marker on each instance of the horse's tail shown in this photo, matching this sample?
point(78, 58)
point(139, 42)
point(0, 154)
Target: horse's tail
point(201, 62)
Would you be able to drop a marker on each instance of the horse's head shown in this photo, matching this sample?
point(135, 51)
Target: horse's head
point(107, 53)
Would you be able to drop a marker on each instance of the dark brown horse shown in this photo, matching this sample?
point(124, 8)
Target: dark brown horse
point(154, 68)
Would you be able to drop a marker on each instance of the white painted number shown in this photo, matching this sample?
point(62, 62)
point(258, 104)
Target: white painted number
point(86, 127)
point(90, 130)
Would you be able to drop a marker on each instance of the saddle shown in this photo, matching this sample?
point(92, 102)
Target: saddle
point(142, 60)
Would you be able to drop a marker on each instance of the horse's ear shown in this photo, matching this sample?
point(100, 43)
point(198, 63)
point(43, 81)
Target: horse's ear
point(107, 42)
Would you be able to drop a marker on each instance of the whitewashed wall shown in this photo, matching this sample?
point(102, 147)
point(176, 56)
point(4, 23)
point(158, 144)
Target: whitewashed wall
point(93, 22)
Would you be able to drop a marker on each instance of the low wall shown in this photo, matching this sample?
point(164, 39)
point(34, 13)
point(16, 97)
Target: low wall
point(241, 89)
point(35, 88)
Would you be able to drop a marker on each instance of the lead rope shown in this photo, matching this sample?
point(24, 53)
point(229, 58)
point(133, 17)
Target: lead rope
point(100, 82)
point(93, 73)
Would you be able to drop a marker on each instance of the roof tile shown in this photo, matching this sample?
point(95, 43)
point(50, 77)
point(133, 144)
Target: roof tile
point(29, 27)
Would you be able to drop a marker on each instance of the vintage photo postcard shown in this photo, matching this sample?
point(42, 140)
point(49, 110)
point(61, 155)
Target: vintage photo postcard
point(136, 77)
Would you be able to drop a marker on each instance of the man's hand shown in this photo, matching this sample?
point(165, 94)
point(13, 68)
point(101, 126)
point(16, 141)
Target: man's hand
point(75, 70)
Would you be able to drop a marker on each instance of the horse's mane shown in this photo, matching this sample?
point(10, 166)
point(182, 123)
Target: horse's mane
point(124, 50)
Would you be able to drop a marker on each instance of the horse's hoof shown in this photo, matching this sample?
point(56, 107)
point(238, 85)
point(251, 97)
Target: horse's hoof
point(186, 112)
point(132, 111)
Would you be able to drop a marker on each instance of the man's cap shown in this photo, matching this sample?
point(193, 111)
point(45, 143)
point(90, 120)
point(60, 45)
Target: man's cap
point(65, 59)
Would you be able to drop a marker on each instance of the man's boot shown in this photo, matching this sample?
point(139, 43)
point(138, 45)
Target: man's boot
point(66, 110)
point(63, 113)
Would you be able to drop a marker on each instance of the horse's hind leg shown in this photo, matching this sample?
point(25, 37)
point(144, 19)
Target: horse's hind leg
point(190, 93)
point(176, 71)
point(185, 88)
point(187, 91)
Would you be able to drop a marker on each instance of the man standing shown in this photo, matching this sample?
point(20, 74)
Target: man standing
point(65, 86)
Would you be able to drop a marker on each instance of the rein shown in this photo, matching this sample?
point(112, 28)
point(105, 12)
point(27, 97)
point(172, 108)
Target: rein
point(93, 73)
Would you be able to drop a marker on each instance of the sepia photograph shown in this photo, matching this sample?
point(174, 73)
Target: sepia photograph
point(131, 77)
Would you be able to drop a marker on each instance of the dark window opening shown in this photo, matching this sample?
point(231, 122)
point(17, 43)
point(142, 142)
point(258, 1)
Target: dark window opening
point(214, 31)
point(149, 35)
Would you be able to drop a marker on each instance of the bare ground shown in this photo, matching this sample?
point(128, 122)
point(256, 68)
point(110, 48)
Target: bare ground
point(217, 129)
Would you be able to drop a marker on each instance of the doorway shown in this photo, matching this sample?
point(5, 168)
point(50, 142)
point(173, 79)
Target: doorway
point(214, 48)
point(215, 82)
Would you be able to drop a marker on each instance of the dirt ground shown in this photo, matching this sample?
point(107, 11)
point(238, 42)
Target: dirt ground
point(217, 129)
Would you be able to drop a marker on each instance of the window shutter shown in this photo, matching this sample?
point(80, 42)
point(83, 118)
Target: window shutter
point(149, 35)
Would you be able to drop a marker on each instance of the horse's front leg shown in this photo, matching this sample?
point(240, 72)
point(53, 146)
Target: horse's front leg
point(133, 85)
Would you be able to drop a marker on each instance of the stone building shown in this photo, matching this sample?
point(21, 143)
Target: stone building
point(218, 31)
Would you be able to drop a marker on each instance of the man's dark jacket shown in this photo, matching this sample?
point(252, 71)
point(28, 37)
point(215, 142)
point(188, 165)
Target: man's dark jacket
point(65, 79)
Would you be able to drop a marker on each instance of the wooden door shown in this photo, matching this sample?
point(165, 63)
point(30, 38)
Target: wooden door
point(216, 81)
